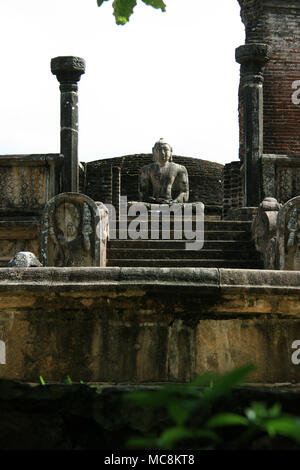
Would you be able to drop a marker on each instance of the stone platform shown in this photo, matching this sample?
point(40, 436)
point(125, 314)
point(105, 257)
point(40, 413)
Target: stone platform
point(148, 325)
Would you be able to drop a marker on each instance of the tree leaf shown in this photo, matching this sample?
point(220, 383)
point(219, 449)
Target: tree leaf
point(146, 443)
point(99, 2)
point(123, 9)
point(226, 419)
point(42, 380)
point(170, 436)
point(286, 426)
point(223, 385)
point(156, 4)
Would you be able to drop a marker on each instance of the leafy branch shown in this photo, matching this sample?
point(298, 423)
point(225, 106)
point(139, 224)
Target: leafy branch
point(123, 9)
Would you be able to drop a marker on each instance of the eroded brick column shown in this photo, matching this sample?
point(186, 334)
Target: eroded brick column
point(68, 71)
point(277, 23)
point(252, 58)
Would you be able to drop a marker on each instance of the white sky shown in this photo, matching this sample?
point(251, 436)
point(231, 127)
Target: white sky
point(170, 75)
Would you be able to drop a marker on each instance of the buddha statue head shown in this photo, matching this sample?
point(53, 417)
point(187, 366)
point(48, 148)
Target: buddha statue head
point(162, 152)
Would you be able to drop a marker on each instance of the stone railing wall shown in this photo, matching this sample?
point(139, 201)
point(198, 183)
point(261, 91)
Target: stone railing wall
point(280, 176)
point(27, 182)
point(128, 325)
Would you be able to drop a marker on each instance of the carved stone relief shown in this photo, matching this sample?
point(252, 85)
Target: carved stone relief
point(72, 231)
point(264, 231)
point(288, 235)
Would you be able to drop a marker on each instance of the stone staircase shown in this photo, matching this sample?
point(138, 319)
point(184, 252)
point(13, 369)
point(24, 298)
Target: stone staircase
point(227, 244)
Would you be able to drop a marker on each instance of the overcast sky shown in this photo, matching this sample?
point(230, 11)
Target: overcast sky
point(170, 75)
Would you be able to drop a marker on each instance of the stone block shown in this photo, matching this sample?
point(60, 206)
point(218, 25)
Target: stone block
point(74, 231)
point(27, 182)
point(288, 235)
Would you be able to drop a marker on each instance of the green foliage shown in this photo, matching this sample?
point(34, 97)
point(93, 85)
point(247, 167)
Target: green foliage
point(193, 424)
point(68, 381)
point(42, 380)
point(123, 9)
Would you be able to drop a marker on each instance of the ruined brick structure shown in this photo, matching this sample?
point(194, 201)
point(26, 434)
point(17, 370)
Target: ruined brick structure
point(232, 187)
point(159, 312)
point(277, 24)
point(269, 106)
point(205, 178)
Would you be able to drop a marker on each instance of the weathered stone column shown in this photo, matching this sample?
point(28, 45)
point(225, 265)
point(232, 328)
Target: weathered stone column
point(116, 188)
point(68, 71)
point(252, 58)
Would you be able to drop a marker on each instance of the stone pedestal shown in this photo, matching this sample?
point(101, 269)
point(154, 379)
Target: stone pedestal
point(68, 71)
point(74, 231)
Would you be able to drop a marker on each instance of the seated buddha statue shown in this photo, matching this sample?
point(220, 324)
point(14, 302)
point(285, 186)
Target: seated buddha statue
point(163, 181)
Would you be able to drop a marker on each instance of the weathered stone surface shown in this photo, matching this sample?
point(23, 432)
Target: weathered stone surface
point(148, 325)
point(264, 228)
point(204, 178)
point(241, 213)
point(68, 71)
point(276, 23)
point(27, 182)
point(74, 231)
point(163, 182)
point(288, 235)
point(252, 58)
point(280, 176)
point(24, 259)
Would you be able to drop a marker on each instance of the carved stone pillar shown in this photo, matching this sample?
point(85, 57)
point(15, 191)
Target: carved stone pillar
point(252, 58)
point(68, 71)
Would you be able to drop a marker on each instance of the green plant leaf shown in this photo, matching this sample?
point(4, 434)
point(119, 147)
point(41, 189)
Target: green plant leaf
point(172, 435)
point(99, 2)
point(224, 384)
point(226, 419)
point(68, 380)
point(147, 443)
point(42, 380)
point(156, 4)
point(157, 398)
point(123, 9)
point(180, 410)
point(287, 426)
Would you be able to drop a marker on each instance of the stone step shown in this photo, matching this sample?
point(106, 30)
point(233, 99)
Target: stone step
point(193, 263)
point(223, 225)
point(235, 245)
point(239, 235)
point(127, 253)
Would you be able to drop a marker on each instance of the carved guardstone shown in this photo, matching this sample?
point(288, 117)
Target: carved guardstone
point(264, 227)
point(288, 235)
point(74, 231)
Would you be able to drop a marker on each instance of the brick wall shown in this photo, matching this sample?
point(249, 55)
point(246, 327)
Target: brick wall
point(276, 23)
point(205, 177)
point(233, 190)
